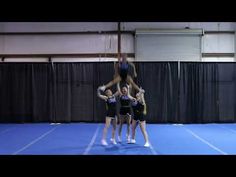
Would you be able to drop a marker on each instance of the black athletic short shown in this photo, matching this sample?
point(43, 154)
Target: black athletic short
point(111, 113)
point(123, 74)
point(139, 117)
point(125, 111)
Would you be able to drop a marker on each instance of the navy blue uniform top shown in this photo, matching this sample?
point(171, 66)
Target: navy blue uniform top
point(125, 105)
point(124, 101)
point(123, 70)
point(138, 107)
point(111, 103)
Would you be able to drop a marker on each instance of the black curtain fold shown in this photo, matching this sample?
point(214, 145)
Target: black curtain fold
point(227, 94)
point(67, 92)
point(199, 92)
point(103, 73)
point(159, 81)
point(17, 89)
point(42, 93)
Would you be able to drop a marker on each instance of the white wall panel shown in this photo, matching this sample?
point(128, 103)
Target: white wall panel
point(55, 59)
point(109, 26)
point(26, 60)
point(1, 44)
point(46, 44)
point(207, 26)
point(218, 43)
point(57, 26)
point(127, 43)
point(218, 59)
point(137, 25)
point(168, 47)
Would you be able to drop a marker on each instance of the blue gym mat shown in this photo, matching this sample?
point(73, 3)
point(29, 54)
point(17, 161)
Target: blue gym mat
point(85, 139)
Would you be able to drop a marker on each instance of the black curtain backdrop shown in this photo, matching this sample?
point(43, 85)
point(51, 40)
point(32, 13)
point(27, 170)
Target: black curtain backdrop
point(207, 92)
point(199, 90)
point(160, 81)
point(227, 92)
point(66, 92)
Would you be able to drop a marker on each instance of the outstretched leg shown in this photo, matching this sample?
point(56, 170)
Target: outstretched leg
point(111, 83)
point(129, 80)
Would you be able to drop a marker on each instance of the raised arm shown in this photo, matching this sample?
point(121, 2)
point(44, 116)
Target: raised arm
point(145, 109)
point(117, 93)
point(142, 98)
point(100, 95)
point(118, 88)
point(116, 68)
point(130, 97)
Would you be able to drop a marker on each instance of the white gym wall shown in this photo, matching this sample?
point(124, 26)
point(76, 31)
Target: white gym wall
point(168, 45)
point(222, 40)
